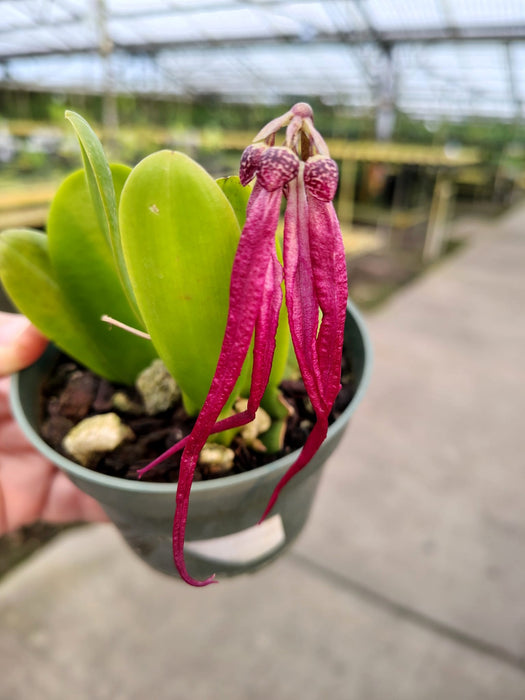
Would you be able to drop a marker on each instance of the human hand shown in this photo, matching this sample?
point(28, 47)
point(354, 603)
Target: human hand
point(31, 487)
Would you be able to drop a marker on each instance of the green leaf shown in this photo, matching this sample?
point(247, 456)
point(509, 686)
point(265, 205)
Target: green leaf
point(28, 277)
point(271, 400)
point(180, 269)
point(98, 175)
point(86, 272)
point(237, 194)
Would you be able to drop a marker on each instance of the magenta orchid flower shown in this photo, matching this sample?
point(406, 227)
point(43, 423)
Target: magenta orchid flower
point(315, 281)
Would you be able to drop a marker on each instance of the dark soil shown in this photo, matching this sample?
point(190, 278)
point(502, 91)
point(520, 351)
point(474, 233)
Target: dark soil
point(72, 393)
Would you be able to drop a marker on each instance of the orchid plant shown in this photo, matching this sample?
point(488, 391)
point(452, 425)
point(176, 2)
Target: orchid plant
point(171, 243)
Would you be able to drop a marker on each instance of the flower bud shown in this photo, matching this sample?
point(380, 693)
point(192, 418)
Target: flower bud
point(303, 110)
point(250, 160)
point(321, 177)
point(278, 165)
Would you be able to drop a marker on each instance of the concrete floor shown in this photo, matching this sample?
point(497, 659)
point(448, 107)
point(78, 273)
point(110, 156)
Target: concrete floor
point(409, 581)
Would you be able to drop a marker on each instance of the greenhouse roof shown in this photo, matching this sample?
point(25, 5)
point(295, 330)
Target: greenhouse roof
point(431, 58)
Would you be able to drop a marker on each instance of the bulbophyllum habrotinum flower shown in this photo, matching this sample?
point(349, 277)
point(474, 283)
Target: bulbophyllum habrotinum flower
point(315, 281)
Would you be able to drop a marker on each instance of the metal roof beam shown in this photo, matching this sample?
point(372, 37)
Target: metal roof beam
point(373, 33)
point(40, 21)
point(512, 80)
point(392, 37)
point(166, 12)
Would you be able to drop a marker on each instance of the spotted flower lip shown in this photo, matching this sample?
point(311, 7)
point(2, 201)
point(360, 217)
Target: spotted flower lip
point(316, 292)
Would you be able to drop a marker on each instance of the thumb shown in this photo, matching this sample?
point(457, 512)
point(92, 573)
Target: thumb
point(20, 343)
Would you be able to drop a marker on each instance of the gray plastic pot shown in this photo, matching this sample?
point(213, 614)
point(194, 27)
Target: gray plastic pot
point(222, 536)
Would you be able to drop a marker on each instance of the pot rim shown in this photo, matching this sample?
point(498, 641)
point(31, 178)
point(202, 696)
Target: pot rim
point(78, 471)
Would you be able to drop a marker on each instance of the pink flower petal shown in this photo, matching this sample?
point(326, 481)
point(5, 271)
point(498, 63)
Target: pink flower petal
point(253, 284)
point(246, 291)
point(331, 287)
point(301, 301)
point(315, 279)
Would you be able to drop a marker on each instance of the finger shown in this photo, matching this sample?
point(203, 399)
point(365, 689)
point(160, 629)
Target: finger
point(25, 482)
point(65, 503)
point(20, 343)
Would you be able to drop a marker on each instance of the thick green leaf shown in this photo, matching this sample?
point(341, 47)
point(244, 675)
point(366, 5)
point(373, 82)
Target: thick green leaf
point(271, 401)
point(237, 194)
point(98, 175)
point(28, 277)
point(179, 237)
point(86, 271)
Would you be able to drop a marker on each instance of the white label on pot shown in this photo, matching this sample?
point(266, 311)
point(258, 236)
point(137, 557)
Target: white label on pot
point(242, 547)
